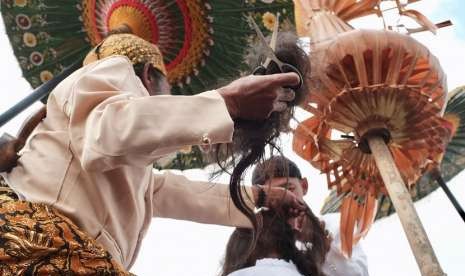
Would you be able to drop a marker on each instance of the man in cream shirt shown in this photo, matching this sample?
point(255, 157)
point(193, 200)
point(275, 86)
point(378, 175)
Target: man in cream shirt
point(90, 158)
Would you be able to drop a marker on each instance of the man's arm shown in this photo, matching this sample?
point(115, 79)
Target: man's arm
point(112, 123)
point(176, 197)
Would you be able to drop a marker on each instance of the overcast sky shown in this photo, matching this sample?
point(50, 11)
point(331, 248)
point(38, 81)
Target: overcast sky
point(177, 248)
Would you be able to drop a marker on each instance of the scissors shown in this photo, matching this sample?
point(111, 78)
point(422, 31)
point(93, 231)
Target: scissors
point(271, 56)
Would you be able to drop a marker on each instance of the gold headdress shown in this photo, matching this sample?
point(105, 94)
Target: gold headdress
point(133, 47)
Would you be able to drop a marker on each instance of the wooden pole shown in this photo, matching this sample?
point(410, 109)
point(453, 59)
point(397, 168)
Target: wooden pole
point(400, 197)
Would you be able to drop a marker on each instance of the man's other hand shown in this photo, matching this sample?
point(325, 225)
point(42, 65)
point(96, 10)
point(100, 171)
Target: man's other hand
point(281, 199)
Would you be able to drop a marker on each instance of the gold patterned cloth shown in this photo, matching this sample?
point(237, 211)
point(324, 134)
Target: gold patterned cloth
point(136, 49)
point(35, 239)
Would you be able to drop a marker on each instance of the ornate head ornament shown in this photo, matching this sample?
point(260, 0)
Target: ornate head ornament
point(136, 49)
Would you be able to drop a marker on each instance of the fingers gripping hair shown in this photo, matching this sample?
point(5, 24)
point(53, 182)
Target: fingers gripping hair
point(250, 138)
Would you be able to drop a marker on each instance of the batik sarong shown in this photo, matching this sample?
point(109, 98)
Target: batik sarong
point(35, 239)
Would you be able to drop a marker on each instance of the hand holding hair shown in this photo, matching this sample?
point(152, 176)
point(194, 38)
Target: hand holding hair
point(256, 97)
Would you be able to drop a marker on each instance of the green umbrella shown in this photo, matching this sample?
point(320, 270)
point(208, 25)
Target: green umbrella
point(451, 165)
point(204, 42)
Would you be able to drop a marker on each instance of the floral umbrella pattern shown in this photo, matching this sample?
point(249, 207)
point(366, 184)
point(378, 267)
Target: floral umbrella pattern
point(203, 42)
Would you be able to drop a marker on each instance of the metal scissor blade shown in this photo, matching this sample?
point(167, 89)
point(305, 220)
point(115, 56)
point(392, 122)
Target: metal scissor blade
point(274, 39)
point(268, 51)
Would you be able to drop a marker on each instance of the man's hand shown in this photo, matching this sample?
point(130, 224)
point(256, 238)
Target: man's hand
point(256, 97)
point(281, 199)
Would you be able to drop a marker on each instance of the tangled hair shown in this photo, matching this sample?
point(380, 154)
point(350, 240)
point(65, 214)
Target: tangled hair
point(250, 138)
point(278, 240)
point(275, 166)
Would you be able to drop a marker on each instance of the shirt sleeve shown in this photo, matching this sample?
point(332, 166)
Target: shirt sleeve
point(113, 121)
point(177, 197)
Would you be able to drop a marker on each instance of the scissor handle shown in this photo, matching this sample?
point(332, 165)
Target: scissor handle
point(287, 68)
point(259, 71)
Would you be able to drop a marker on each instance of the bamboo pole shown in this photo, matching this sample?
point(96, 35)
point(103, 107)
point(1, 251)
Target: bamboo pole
point(400, 197)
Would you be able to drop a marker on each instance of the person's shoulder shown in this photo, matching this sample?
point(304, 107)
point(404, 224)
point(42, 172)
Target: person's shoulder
point(114, 63)
point(264, 271)
point(331, 223)
point(113, 67)
point(268, 267)
point(112, 73)
point(336, 263)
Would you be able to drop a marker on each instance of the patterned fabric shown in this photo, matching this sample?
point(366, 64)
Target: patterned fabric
point(202, 42)
point(35, 239)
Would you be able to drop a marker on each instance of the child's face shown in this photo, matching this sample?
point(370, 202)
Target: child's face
point(298, 187)
point(294, 185)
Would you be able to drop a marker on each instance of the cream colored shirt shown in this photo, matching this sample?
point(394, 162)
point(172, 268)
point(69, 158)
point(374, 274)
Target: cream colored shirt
point(92, 156)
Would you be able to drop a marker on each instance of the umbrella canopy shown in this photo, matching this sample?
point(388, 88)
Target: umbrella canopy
point(452, 163)
point(367, 84)
point(203, 42)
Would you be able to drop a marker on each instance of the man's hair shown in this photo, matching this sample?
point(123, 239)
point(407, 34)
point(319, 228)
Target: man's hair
point(139, 70)
point(276, 166)
point(155, 73)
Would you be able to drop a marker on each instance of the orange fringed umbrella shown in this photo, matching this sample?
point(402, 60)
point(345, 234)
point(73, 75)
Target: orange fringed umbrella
point(385, 91)
point(451, 165)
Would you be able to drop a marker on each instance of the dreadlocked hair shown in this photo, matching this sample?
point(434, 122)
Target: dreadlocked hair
point(251, 138)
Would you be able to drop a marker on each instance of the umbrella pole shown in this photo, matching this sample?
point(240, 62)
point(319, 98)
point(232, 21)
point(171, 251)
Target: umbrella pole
point(416, 235)
point(437, 175)
point(38, 94)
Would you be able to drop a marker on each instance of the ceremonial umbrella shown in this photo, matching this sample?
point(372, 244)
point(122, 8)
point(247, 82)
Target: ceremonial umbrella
point(385, 92)
point(204, 42)
point(452, 163)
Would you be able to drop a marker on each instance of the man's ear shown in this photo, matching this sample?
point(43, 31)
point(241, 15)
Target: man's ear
point(304, 184)
point(147, 79)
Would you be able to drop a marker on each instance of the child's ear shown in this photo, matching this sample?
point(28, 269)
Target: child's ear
point(304, 184)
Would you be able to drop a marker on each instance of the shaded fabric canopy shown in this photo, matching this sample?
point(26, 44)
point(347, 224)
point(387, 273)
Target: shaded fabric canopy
point(203, 42)
point(452, 163)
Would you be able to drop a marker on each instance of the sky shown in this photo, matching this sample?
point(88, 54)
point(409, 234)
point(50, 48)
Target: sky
point(178, 248)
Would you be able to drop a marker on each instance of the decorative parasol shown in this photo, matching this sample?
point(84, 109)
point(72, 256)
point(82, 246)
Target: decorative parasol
point(204, 42)
point(452, 163)
point(385, 92)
